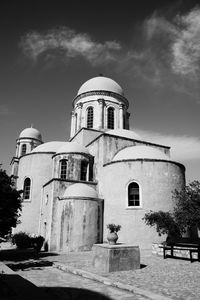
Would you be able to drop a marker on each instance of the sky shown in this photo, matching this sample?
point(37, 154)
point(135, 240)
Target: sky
point(151, 48)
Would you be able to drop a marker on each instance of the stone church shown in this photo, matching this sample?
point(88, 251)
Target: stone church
point(105, 173)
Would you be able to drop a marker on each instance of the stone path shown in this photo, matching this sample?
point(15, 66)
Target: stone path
point(174, 278)
point(66, 286)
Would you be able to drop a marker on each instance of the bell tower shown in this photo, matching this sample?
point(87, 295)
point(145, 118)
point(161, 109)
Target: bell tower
point(100, 104)
point(28, 139)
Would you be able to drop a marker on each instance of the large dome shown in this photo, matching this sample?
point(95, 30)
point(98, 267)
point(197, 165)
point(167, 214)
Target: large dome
point(48, 147)
point(72, 147)
point(101, 83)
point(140, 152)
point(80, 190)
point(31, 133)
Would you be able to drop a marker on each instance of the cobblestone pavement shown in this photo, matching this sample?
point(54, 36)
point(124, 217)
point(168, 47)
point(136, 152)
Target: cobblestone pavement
point(67, 286)
point(174, 278)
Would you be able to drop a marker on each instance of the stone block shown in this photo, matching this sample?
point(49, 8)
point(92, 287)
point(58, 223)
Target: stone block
point(119, 257)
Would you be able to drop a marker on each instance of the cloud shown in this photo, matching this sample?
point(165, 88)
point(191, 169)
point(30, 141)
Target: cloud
point(68, 43)
point(5, 111)
point(186, 47)
point(183, 148)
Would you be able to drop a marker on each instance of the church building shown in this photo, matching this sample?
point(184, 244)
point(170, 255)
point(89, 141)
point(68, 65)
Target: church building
point(105, 173)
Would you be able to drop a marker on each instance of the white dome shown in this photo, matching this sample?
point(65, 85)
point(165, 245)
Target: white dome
point(80, 190)
point(140, 152)
point(101, 83)
point(70, 147)
point(48, 147)
point(124, 133)
point(31, 133)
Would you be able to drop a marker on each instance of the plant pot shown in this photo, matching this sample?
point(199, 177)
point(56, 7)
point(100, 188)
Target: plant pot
point(112, 238)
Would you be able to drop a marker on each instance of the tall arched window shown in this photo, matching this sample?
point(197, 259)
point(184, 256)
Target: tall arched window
point(63, 168)
point(27, 188)
point(90, 117)
point(111, 118)
point(23, 152)
point(133, 194)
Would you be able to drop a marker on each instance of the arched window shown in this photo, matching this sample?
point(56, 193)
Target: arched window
point(90, 117)
point(111, 117)
point(84, 170)
point(63, 168)
point(23, 152)
point(133, 194)
point(27, 188)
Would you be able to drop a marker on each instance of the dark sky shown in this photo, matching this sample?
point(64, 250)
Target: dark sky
point(151, 48)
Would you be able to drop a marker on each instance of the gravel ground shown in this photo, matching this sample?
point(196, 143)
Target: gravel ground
point(176, 278)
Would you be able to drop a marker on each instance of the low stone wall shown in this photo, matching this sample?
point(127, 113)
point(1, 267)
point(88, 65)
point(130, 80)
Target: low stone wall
point(157, 249)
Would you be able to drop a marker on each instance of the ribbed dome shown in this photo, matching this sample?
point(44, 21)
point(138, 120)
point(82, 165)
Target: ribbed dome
point(70, 147)
point(31, 133)
point(140, 152)
point(48, 147)
point(125, 133)
point(101, 83)
point(80, 190)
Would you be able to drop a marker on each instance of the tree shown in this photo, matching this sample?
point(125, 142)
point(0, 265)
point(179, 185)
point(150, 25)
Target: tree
point(185, 214)
point(187, 205)
point(10, 204)
point(163, 221)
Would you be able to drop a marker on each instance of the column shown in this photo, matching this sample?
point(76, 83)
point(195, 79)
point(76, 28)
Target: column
point(72, 124)
point(121, 116)
point(101, 110)
point(79, 113)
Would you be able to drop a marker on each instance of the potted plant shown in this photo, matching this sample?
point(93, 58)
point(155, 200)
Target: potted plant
point(112, 236)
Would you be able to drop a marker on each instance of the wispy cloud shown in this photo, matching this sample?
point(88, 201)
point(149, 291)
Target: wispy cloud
point(186, 47)
point(183, 148)
point(68, 43)
point(5, 111)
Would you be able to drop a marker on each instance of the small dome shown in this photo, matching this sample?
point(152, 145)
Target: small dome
point(124, 133)
point(140, 152)
point(48, 147)
point(80, 190)
point(31, 133)
point(101, 83)
point(70, 147)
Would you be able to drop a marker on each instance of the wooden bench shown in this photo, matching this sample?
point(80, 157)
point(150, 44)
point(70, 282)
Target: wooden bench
point(188, 244)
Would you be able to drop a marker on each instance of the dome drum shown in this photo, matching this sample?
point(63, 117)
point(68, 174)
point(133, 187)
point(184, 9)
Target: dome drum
point(73, 166)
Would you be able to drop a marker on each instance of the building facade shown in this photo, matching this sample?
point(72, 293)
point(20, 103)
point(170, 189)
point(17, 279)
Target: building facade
point(104, 174)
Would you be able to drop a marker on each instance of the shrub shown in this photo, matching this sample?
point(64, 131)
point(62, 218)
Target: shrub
point(37, 242)
point(163, 221)
point(21, 240)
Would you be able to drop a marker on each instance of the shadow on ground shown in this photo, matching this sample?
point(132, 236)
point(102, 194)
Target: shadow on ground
point(15, 287)
point(22, 254)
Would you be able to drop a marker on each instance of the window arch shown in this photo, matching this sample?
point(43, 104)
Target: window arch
point(63, 168)
point(27, 188)
point(111, 118)
point(23, 151)
point(90, 117)
point(134, 195)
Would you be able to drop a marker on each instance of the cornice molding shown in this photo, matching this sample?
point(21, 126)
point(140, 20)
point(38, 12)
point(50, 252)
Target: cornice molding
point(102, 93)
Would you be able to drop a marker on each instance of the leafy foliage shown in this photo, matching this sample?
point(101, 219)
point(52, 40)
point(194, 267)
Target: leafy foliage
point(163, 221)
point(187, 205)
point(10, 204)
point(186, 212)
point(22, 240)
point(113, 227)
